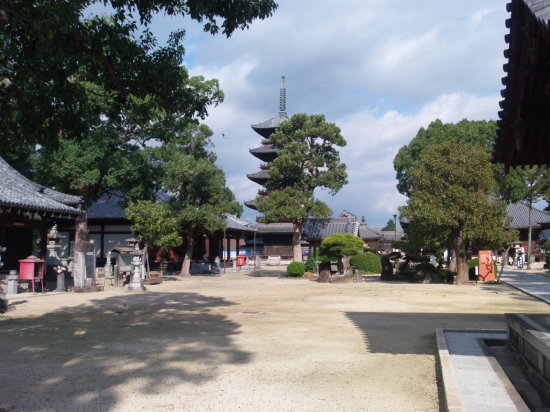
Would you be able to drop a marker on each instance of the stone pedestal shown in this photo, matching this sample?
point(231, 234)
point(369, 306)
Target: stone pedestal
point(13, 282)
point(60, 282)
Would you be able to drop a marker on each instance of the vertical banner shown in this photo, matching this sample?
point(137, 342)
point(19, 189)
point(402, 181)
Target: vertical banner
point(486, 266)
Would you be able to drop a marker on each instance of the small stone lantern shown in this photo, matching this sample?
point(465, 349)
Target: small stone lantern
point(53, 243)
point(136, 282)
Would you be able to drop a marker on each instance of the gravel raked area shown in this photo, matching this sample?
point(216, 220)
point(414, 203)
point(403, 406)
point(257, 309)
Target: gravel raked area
point(240, 342)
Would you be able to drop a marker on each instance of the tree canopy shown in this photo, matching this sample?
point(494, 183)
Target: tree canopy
point(338, 245)
point(307, 159)
point(473, 133)
point(390, 226)
point(452, 201)
point(63, 72)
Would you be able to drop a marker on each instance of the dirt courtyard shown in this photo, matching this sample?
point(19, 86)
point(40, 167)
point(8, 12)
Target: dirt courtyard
point(197, 344)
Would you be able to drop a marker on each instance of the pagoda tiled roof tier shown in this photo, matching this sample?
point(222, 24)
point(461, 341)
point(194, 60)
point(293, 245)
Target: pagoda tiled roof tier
point(18, 192)
point(265, 153)
point(267, 128)
point(251, 204)
point(236, 224)
point(258, 177)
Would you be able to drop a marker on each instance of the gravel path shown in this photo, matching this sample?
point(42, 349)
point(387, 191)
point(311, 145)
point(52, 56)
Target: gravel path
point(197, 344)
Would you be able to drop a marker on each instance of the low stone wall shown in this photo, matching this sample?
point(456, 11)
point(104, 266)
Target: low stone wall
point(529, 342)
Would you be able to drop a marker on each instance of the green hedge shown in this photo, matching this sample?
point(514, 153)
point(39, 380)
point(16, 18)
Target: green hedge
point(367, 262)
point(310, 264)
point(296, 269)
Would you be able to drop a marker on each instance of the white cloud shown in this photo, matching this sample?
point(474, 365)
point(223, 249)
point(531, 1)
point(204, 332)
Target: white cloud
point(378, 69)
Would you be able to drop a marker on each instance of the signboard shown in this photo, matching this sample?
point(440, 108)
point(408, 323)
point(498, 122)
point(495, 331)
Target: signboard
point(89, 262)
point(125, 263)
point(520, 262)
point(486, 266)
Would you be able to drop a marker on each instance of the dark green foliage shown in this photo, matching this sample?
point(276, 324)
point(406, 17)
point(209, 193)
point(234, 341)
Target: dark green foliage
point(509, 186)
point(367, 262)
point(390, 226)
point(311, 266)
point(296, 269)
point(425, 266)
point(62, 70)
point(453, 202)
point(338, 245)
point(307, 159)
point(447, 275)
point(472, 263)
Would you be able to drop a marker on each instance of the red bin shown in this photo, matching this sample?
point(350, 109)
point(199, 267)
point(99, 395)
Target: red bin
point(241, 259)
point(32, 269)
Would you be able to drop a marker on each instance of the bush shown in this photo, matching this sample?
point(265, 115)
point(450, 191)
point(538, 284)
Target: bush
point(447, 275)
point(367, 262)
point(425, 266)
point(310, 263)
point(296, 269)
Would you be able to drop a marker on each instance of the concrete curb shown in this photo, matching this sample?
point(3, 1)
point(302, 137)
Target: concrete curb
point(452, 401)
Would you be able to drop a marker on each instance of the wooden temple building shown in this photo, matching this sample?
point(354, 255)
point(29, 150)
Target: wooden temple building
point(27, 211)
point(524, 125)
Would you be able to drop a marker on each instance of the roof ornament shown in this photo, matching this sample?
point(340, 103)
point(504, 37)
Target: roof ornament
point(282, 98)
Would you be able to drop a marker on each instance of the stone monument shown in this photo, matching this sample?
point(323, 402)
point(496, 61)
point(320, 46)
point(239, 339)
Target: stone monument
point(84, 264)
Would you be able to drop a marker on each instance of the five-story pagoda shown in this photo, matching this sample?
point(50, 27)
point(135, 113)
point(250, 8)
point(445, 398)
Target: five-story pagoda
point(266, 152)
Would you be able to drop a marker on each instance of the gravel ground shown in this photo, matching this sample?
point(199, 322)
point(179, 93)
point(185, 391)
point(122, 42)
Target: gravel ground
point(186, 345)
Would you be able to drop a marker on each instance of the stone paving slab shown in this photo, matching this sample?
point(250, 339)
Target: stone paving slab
point(534, 283)
point(472, 379)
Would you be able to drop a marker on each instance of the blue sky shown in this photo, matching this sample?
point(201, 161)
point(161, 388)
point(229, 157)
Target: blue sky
point(378, 69)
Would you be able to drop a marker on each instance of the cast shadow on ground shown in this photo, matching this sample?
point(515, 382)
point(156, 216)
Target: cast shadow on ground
point(267, 273)
point(414, 333)
point(85, 357)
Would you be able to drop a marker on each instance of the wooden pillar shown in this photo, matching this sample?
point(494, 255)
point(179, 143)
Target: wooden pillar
point(238, 239)
point(43, 241)
point(228, 247)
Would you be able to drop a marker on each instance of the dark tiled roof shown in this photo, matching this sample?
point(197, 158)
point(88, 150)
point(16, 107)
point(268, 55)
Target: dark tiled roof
point(519, 212)
point(251, 204)
point(265, 153)
point(110, 205)
point(366, 232)
point(258, 177)
point(323, 228)
point(20, 192)
point(274, 228)
point(266, 128)
point(541, 10)
point(240, 225)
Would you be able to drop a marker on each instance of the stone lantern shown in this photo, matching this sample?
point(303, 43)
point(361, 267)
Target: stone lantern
point(53, 245)
point(132, 241)
point(136, 282)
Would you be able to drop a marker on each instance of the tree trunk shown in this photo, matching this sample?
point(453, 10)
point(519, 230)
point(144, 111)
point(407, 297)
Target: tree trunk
point(452, 263)
point(459, 249)
point(147, 260)
point(528, 259)
point(82, 234)
point(296, 239)
point(188, 253)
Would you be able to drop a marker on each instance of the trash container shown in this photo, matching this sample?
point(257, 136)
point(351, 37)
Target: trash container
point(13, 282)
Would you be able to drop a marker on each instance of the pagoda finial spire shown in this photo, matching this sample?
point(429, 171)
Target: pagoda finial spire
point(282, 98)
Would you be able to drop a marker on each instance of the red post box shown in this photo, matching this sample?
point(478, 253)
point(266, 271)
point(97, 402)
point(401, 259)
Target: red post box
point(32, 269)
point(241, 259)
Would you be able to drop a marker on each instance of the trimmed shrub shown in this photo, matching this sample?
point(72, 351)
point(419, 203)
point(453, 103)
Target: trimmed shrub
point(296, 269)
point(367, 262)
point(310, 263)
point(447, 275)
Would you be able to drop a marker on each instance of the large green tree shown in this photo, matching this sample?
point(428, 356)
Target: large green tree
point(56, 59)
point(510, 187)
point(155, 223)
point(307, 159)
point(452, 201)
point(200, 196)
